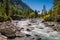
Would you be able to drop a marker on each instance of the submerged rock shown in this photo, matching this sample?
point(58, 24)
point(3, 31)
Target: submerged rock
point(29, 24)
point(28, 30)
point(28, 35)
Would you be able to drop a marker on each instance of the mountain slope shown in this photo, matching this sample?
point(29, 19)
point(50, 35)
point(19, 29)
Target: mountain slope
point(20, 4)
point(13, 9)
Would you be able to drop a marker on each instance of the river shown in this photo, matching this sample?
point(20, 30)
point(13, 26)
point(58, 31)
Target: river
point(37, 30)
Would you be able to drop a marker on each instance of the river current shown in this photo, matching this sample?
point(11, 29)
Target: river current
point(36, 29)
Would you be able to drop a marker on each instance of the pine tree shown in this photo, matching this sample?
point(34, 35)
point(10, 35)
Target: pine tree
point(6, 6)
point(57, 9)
point(36, 14)
point(44, 10)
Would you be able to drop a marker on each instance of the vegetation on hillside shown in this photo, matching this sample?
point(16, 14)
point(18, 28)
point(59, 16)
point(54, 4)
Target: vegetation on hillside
point(54, 13)
point(11, 9)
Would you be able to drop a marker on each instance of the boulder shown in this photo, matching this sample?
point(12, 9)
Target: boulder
point(33, 21)
point(3, 37)
point(56, 28)
point(17, 34)
point(8, 29)
point(39, 39)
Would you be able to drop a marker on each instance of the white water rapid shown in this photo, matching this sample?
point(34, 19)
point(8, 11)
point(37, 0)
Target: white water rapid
point(37, 28)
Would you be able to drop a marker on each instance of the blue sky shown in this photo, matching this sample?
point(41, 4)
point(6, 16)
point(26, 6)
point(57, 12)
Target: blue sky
point(38, 4)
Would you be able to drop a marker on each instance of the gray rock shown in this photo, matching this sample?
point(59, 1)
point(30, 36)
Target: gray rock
point(8, 29)
point(3, 37)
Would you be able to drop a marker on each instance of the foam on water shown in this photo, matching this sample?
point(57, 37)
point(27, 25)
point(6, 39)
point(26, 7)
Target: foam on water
point(38, 28)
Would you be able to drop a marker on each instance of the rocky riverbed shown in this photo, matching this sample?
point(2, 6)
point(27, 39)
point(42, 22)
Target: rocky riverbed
point(29, 29)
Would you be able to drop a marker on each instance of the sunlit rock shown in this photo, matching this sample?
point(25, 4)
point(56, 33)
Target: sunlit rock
point(3, 37)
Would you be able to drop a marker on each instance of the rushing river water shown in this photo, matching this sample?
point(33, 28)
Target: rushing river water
point(37, 29)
